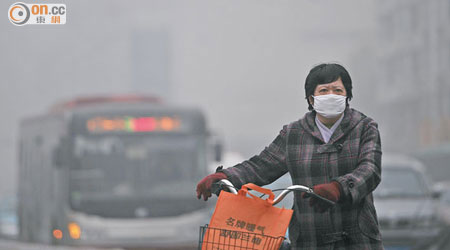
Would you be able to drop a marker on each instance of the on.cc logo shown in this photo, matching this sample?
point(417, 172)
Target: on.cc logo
point(18, 14)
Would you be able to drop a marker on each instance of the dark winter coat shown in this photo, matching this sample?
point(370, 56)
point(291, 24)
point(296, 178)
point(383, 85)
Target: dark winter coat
point(352, 157)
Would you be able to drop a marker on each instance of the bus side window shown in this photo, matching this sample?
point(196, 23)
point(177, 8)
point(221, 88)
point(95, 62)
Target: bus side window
point(63, 156)
point(57, 157)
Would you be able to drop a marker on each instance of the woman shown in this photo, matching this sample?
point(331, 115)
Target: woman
point(334, 149)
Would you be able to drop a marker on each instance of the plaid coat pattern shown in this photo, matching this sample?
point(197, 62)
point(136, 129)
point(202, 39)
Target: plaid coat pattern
point(352, 157)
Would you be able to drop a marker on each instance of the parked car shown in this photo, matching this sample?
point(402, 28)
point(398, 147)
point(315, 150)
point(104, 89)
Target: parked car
point(407, 206)
point(443, 188)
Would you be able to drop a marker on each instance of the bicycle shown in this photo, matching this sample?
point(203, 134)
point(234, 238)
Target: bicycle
point(270, 242)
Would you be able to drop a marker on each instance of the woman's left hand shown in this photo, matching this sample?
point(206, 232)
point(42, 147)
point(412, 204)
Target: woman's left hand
point(331, 191)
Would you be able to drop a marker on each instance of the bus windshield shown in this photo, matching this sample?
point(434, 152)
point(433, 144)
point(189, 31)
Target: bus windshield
point(126, 176)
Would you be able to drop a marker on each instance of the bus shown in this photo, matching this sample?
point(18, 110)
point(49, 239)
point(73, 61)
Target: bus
point(113, 171)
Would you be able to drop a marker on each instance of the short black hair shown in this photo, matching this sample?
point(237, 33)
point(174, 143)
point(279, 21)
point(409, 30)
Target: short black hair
point(326, 73)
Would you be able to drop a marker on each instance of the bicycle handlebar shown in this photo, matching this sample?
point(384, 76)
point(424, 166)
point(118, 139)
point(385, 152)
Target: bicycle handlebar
point(226, 183)
point(300, 188)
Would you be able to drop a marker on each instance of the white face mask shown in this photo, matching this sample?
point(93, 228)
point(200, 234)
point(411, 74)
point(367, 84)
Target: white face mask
point(329, 106)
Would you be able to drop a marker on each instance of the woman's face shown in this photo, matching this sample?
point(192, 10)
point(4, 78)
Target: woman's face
point(336, 87)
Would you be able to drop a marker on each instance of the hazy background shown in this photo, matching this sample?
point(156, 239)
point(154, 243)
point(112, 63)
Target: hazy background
point(243, 62)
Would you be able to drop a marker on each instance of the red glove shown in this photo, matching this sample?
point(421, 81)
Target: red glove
point(331, 191)
point(204, 186)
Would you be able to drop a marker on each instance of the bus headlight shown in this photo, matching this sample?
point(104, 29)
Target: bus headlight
point(57, 234)
point(74, 230)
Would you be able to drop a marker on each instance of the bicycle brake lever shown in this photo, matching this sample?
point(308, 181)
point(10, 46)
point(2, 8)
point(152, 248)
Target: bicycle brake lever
point(312, 194)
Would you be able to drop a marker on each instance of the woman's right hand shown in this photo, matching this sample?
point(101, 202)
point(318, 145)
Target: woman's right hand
point(204, 186)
